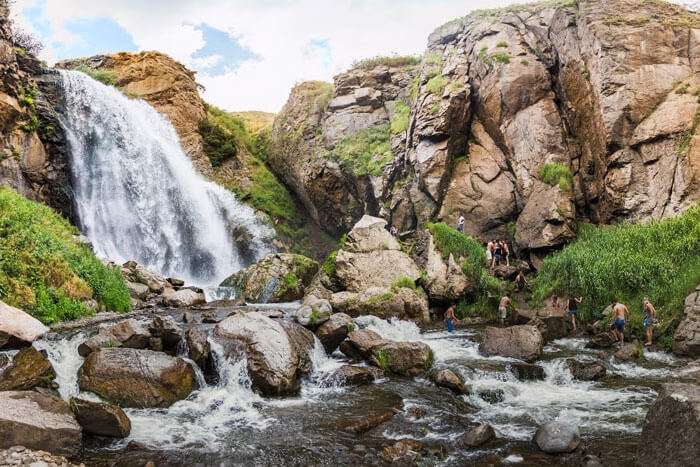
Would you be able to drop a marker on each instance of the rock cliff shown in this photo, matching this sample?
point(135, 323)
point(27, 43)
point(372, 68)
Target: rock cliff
point(526, 120)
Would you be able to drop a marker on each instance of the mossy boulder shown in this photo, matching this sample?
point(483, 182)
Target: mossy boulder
point(278, 277)
point(101, 418)
point(29, 368)
point(400, 358)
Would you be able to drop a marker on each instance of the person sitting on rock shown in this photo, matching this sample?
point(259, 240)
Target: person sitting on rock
point(649, 314)
point(572, 305)
point(520, 282)
point(460, 223)
point(503, 308)
point(617, 322)
point(449, 316)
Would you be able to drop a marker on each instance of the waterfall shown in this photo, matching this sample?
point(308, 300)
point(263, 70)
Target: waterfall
point(139, 197)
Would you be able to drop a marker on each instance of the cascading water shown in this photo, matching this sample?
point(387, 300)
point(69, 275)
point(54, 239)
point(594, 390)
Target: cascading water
point(138, 195)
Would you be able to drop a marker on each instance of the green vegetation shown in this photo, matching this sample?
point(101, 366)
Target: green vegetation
point(502, 44)
point(399, 122)
point(681, 88)
point(432, 59)
point(455, 86)
point(393, 61)
point(555, 173)
point(688, 135)
point(524, 62)
point(43, 271)
point(659, 259)
point(586, 74)
point(511, 229)
point(329, 265)
point(501, 57)
point(382, 358)
point(404, 282)
point(435, 108)
point(365, 152)
point(436, 85)
point(108, 77)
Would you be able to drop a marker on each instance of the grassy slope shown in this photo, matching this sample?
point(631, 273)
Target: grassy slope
point(43, 271)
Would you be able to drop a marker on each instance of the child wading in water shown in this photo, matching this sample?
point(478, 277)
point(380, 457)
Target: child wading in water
point(449, 316)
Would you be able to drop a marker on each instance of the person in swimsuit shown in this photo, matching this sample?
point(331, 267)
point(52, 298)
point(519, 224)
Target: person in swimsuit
point(572, 304)
point(649, 313)
point(449, 316)
point(520, 281)
point(617, 323)
point(503, 308)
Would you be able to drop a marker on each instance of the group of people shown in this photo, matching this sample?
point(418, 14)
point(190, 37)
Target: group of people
point(497, 251)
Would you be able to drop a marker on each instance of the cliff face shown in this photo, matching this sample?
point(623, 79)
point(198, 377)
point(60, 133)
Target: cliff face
point(526, 120)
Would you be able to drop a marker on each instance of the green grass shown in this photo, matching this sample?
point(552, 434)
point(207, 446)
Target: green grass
point(382, 358)
point(524, 62)
point(44, 272)
point(329, 265)
point(365, 152)
point(586, 74)
point(501, 57)
point(404, 282)
point(392, 61)
point(436, 85)
point(502, 44)
point(108, 77)
point(432, 59)
point(556, 174)
point(659, 259)
point(399, 122)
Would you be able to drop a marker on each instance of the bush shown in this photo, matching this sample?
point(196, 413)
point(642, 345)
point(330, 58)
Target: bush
point(399, 122)
point(436, 85)
point(365, 152)
point(556, 174)
point(404, 281)
point(464, 248)
point(108, 77)
point(501, 57)
point(42, 269)
point(393, 61)
point(659, 259)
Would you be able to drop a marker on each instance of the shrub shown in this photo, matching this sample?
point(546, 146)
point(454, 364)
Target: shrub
point(42, 269)
point(586, 74)
point(108, 77)
point(659, 259)
point(524, 62)
point(219, 144)
point(502, 44)
point(393, 61)
point(399, 122)
point(436, 85)
point(365, 152)
point(556, 174)
point(404, 281)
point(501, 57)
point(329, 265)
point(464, 248)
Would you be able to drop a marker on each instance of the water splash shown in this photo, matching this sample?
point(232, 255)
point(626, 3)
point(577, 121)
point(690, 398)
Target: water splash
point(138, 195)
point(62, 352)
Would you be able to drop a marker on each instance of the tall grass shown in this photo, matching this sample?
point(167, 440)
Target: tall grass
point(556, 174)
point(365, 152)
point(43, 271)
point(660, 259)
point(108, 77)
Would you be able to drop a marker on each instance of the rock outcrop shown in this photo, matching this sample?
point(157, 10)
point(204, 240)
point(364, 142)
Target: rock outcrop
point(686, 340)
point(523, 342)
point(537, 116)
point(29, 368)
point(401, 358)
point(671, 432)
point(17, 328)
point(278, 277)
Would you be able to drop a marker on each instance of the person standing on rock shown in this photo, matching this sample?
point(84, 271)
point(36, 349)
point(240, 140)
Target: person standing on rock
point(649, 313)
point(506, 252)
point(520, 282)
point(503, 308)
point(572, 305)
point(460, 223)
point(449, 316)
point(489, 253)
point(617, 323)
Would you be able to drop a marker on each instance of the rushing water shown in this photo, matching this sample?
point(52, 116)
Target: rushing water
point(229, 424)
point(139, 197)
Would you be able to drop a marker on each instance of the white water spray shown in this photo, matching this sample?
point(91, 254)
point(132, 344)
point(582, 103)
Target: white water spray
point(138, 195)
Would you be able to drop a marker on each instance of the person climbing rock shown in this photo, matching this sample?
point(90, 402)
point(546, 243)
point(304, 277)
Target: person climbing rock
point(617, 322)
point(394, 232)
point(572, 305)
point(503, 308)
point(521, 282)
point(649, 314)
point(449, 316)
point(460, 223)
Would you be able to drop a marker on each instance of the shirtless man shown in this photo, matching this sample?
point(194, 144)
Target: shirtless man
point(449, 316)
point(503, 308)
point(617, 324)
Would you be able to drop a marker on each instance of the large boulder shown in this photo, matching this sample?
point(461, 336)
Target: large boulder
point(198, 347)
point(29, 368)
point(183, 297)
point(557, 437)
point(671, 432)
point(333, 332)
point(101, 418)
point(137, 377)
point(360, 343)
point(278, 277)
point(128, 333)
point(397, 302)
point(447, 378)
point(38, 421)
point(586, 371)
point(630, 352)
point(137, 273)
point(475, 436)
point(303, 342)
point(526, 371)
point(401, 358)
point(271, 356)
point(444, 280)
point(17, 328)
point(313, 312)
point(353, 375)
point(524, 342)
point(165, 328)
point(686, 340)
point(552, 324)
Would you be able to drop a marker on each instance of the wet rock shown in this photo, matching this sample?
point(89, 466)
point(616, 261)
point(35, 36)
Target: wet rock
point(183, 297)
point(167, 329)
point(175, 282)
point(314, 312)
point(557, 437)
point(586, 371)
point(686, 339)
point(526, 371)
point(134, 272)
point(492, 396)
point(523, 342)
point(589, 460)
point(303, 341)
point(552, 324)
point(101, 418)
point(272, 358)
point(361, 343)
point(17, 328)
point(278, 277)
point(630, 352)
point(444, 281)
point(353, 375)
point(404, 452)
point(371, 421)
point(155, 343)
point(386, 303)
point(198, 348)
point(475, 436)
point(29, 368)
point(403, 358)
point(671, 432)
point(447, 378)
point(210, 317)
point(38, 421)
point(137, 377)
point(600, 341)
point(188, 318)
point(128, 333)
point(333, 331)
point(138, 291)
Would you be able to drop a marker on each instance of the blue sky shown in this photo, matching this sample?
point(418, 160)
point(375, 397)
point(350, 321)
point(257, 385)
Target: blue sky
point(247, 53)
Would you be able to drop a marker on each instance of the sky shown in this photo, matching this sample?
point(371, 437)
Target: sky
point(247, 53)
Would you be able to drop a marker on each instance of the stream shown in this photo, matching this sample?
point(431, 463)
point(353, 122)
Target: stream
point(229, 424)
